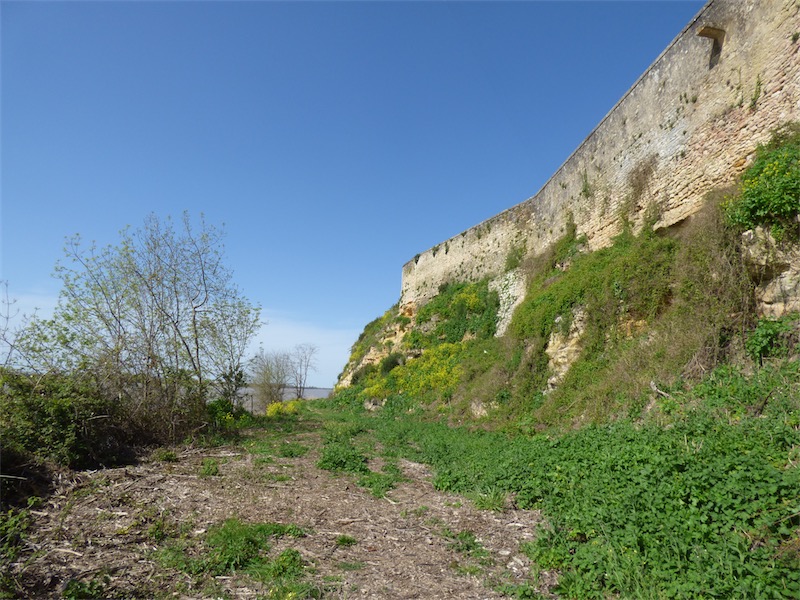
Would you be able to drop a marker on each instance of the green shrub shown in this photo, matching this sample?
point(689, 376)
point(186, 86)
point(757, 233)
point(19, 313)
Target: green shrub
point(59, 419)
point(209, 468)
point(342, 456)
point(391, 361)
point(770, 194)
point(165, 455)
point(224, 415)
point(772, 337)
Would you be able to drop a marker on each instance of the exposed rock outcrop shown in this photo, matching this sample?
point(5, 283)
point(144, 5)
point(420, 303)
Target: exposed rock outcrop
point(563, 349)
point(776, 269)
point(510, 287)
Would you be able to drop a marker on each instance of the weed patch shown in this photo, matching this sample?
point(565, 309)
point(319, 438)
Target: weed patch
point(345, 541)
point(292, 450)
point(209, 468)
point(236, 547)
point(342, 456)
point(14, 525)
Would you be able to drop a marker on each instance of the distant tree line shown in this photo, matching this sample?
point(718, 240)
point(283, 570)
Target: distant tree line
point(273, 373)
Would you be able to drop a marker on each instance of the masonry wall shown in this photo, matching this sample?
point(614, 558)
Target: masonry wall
point(690, 124)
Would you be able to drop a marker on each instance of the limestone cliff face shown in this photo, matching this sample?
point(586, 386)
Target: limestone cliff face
point(690, 124)
point(776, 269)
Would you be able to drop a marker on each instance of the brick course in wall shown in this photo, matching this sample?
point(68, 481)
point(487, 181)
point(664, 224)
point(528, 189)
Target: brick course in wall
point(690, 124)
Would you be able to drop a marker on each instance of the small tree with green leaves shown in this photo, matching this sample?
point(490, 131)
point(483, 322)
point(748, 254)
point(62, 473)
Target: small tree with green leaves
point(155, 321)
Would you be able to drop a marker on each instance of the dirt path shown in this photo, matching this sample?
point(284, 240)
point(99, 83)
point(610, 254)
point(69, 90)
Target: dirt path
point(111, 523)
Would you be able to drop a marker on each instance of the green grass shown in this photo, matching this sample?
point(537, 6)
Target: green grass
point(234, 547)
point(345, 541)
point(165, 455)
point(492, 498)
point(209, 468)
point(465, 542)
point(350, 566)
point(14, 526)
point(702, 498)
point(380, 483)
point(292, 450)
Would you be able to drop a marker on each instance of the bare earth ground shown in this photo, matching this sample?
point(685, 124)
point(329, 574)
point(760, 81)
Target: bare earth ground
point(102, 522)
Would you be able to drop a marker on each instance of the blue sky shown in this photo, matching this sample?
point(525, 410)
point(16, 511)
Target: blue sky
point(334, 140)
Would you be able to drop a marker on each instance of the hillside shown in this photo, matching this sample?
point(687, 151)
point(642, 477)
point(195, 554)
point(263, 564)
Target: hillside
point(651, 386)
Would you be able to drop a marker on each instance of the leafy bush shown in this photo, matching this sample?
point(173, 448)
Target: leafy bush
point(391, 361)
point(771, 337)
point(59, 419)
point(14, 525)
point(770, 194)
point(342, 456)
point(165, 455)
point(223, 414)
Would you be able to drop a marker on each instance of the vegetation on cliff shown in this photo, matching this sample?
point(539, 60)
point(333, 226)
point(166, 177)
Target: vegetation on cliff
point(666, 455)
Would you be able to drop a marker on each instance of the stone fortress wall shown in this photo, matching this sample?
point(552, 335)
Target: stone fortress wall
point(688, 125)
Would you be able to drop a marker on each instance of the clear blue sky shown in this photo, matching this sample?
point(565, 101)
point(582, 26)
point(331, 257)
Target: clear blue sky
point(334, 140)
